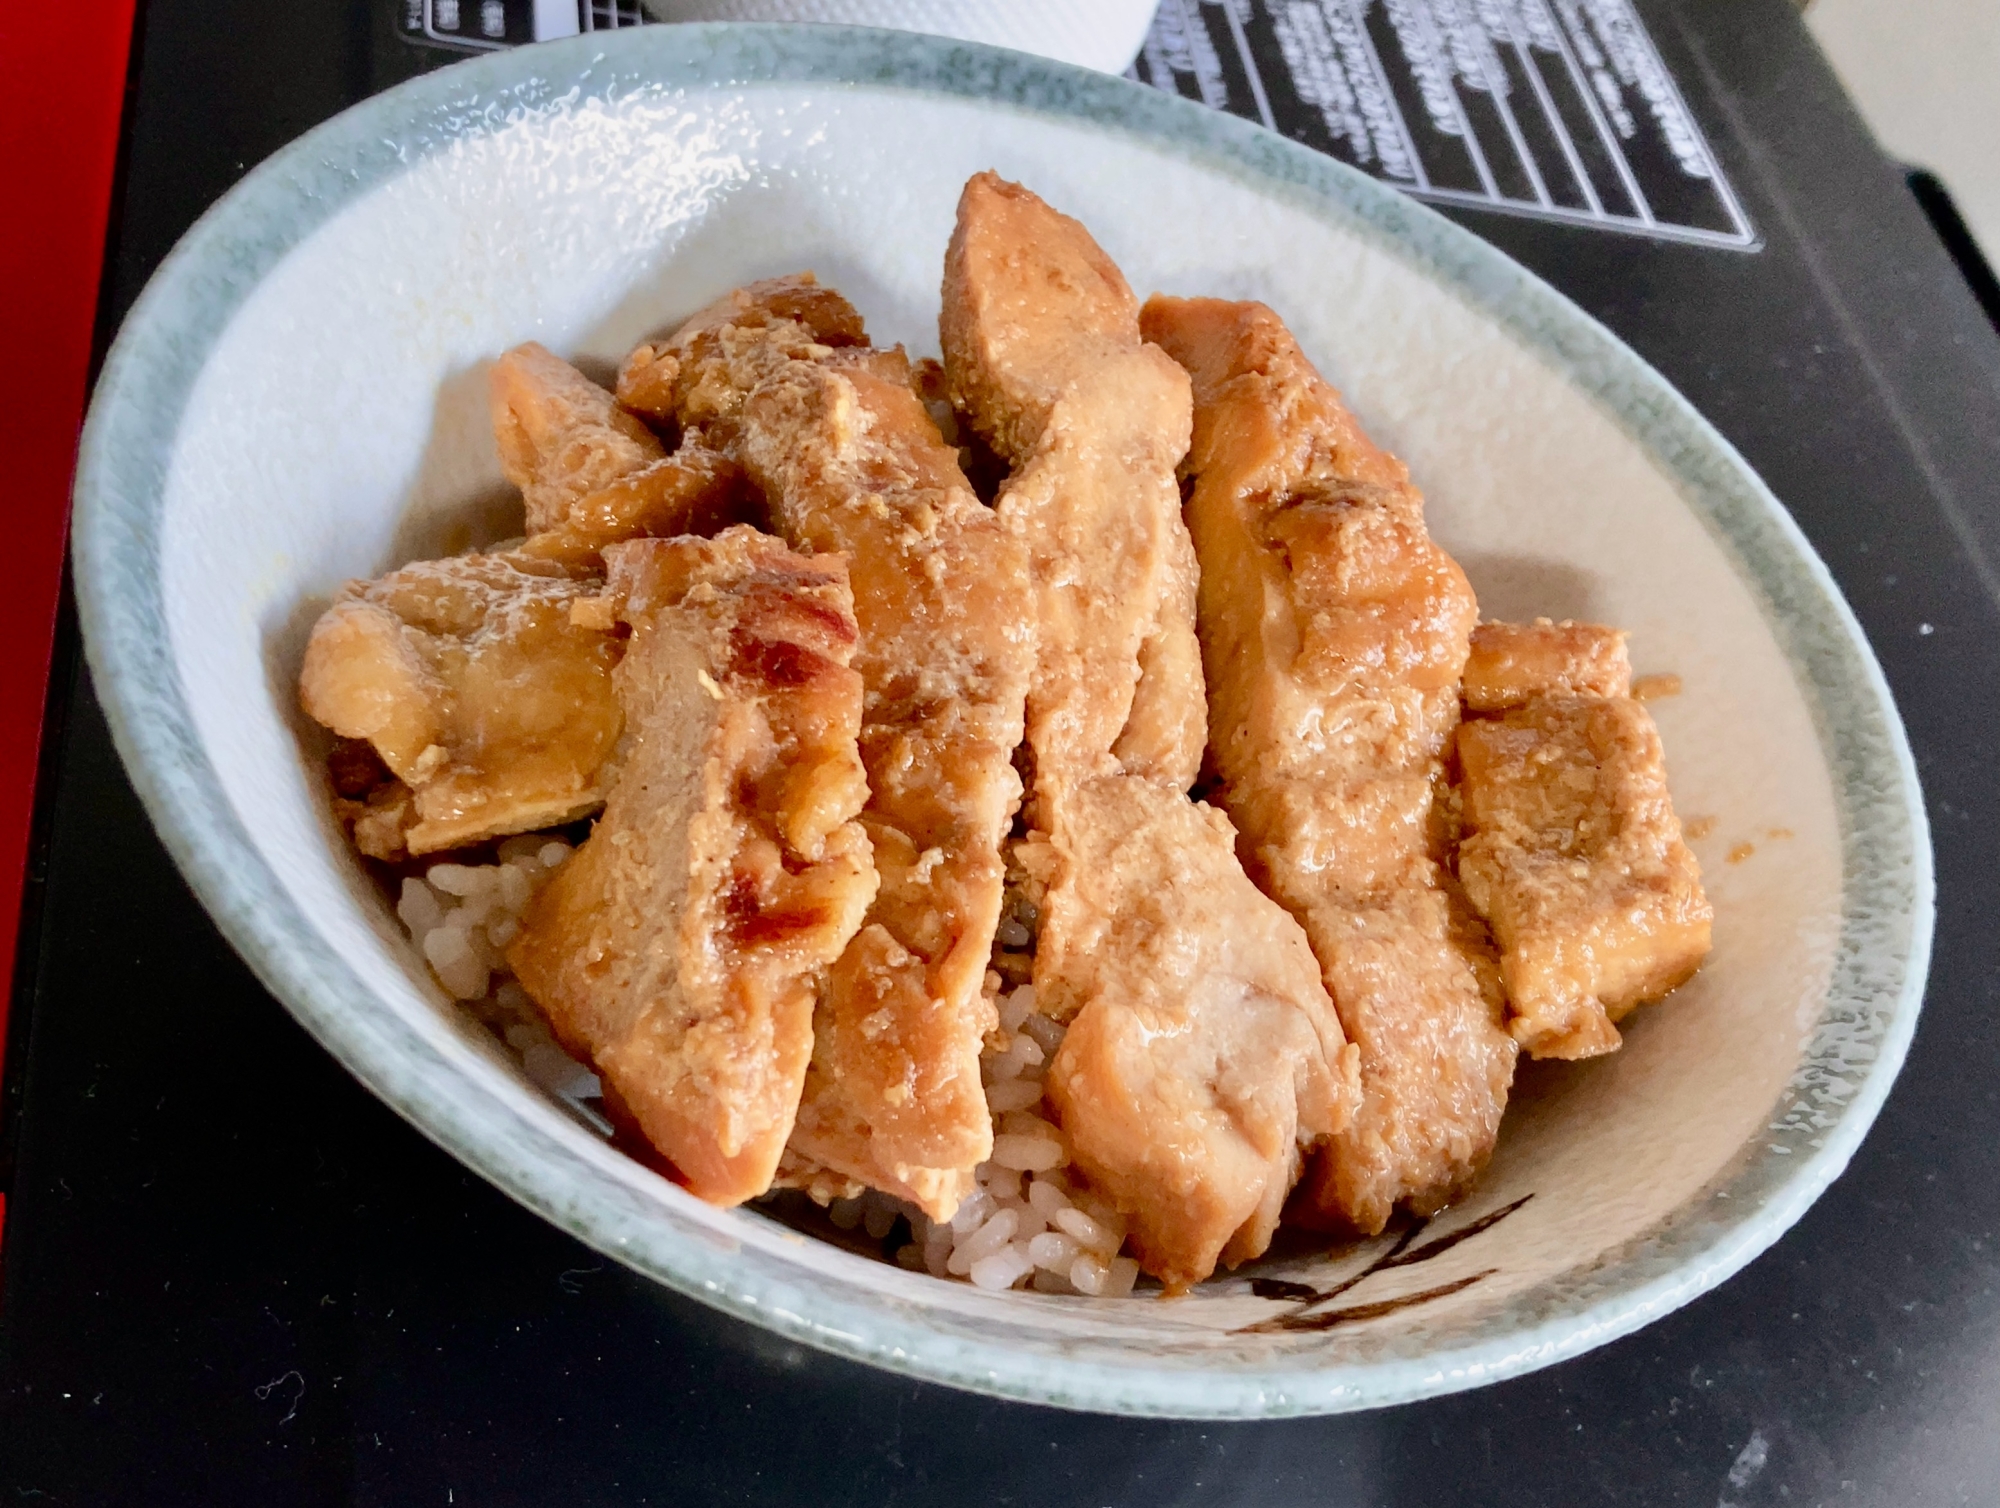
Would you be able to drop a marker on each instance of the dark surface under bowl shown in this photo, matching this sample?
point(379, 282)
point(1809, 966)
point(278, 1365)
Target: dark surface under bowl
point(233, 1276)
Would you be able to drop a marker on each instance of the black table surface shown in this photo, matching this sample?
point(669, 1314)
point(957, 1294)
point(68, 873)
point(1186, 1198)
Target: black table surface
point(232, 1277)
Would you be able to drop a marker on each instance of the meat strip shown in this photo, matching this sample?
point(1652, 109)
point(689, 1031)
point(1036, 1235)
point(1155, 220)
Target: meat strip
point(681, 947)
point(1572, 851)
point(1042, 353)
point(1334, 630)
point(1202, 1054)
point(592, 474)
point(478, 689)
point(849, 460)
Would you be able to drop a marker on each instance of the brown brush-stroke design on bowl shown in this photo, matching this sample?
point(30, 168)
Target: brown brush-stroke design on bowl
point(1309, 1316)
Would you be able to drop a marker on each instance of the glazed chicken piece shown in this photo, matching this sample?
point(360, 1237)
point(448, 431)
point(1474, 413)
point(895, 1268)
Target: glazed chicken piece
point(482, 695)
point(1196, 1064)
point(688, 379)
point(561, 436)
point(1334, 631)
point(681, 947)
point(848, 460)
point(1042, 352)
point(1202, 1054)
point(591, 473)
point(1572, 851)
point(371, 803)
point(484, 681)
point(693, 491)
point(1512, 664)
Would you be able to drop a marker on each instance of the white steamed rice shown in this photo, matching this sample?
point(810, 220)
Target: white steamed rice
point(461, 916)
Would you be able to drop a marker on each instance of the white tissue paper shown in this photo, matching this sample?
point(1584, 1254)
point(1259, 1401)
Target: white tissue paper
point(1101, 34)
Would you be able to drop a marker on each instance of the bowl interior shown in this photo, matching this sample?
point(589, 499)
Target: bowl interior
point(337, 426)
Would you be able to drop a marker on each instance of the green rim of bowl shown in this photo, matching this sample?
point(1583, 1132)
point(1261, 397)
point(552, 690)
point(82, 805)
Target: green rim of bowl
point(1846, 1067)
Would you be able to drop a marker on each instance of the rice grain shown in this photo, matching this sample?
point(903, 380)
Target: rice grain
point(1013, 1094)
point(1047, 1199)
point(1003, 1269)
point(1029, 1154)
point(1088, 1232)
point(985, 1241)
point(418, 907)
point(1089, 1272)
point(1053, 1250)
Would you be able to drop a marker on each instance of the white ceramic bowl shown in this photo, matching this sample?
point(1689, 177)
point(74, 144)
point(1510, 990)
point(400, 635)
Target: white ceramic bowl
point(297, 399)
point(1101, 34)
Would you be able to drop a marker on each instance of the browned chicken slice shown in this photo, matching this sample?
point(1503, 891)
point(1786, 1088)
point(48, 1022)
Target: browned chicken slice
point(1512, 664)
point(1042, 351)
point(692, 491)
point(849, 460)
point(1167, 729)
point(1203, 1053)
point(484, 681)
point(665, 380)
point(680, 948)
point(479, 691)
point(1572, 851)
point(1191, 1074)
point(1334, 631)
point(591, 473)
point(561, 436)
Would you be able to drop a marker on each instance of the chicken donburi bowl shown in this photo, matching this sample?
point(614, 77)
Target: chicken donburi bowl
point(1005, 810)
point(831, 717)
